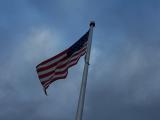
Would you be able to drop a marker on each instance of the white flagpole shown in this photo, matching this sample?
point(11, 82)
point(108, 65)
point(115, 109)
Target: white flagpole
point(85, 74)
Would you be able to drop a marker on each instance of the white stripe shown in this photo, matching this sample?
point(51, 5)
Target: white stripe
point(62, 69)
point(60, 63)
point(57, 59)
point(55, 76)
point(55, 67)
point(64, 74)
point(53, 61)
point(46, 78)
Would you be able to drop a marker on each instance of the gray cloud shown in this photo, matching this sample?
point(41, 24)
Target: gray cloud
point(123, 80)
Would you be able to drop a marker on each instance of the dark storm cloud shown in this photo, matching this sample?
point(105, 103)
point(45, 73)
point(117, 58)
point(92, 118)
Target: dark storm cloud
point(124, 74)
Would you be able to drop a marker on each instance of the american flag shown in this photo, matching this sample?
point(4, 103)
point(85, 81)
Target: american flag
point(56, 68)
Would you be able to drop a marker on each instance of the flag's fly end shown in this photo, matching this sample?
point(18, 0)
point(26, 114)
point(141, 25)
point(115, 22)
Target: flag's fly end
point(45, 91)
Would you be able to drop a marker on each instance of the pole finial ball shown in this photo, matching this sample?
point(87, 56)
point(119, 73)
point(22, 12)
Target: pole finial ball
point(92, 23)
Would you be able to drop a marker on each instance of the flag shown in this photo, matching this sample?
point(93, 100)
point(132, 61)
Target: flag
point(56, 68)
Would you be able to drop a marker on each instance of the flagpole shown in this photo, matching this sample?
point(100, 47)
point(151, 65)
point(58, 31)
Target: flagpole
point(85, 74)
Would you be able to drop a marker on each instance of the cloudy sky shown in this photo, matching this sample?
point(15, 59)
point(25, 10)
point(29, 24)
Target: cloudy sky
point(124, 75)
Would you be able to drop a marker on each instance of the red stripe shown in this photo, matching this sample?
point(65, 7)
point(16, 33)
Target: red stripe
point(55, 57)
point(52, 58)
point(51, 72)
point(57, 78)
point(59, 67)
point(61, 77)
point(53, 80)
point(43, 82)
point(54, 64)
